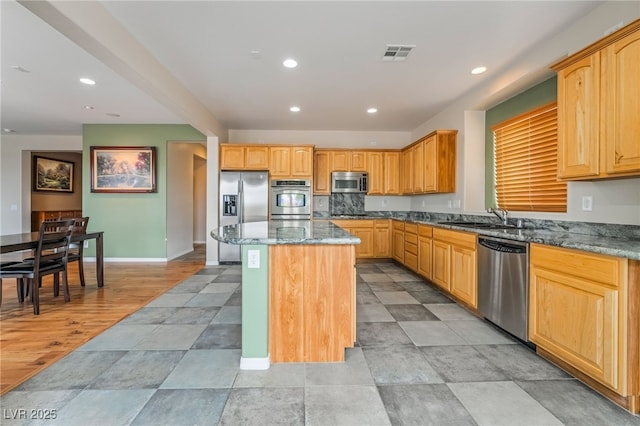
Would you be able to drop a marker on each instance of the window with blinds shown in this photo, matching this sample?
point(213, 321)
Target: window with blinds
point(525, 159)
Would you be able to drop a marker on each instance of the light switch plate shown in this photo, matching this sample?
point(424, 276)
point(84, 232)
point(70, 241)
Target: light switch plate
point(587, 203)
point(253, 259)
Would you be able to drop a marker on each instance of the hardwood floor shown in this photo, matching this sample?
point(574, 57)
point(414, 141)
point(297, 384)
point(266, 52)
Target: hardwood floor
point(29, 343)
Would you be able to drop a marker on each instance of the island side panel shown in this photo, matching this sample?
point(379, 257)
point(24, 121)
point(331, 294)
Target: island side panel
point(255, 296)
point(311, 302)
point(286, 320)
point(329, 302)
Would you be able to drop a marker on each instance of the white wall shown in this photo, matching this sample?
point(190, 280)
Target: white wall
point(199, 200)
point(213, 145)
point(180, 194)
point(15, 175)
point(324, 138)
point(615, 201)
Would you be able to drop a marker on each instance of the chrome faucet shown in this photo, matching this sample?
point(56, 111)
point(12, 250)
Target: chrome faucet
point(501, 214)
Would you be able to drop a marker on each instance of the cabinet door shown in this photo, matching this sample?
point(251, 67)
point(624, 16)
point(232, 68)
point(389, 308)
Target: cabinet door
point(280, 163)
point(358, 161)
point(321, 173)
point(577, 321)
point(392, 173)
point(579, 118)
point(430, 165)
point(382, 239)
point(340, 161)
point(365, 248)
point(407, 172)
point(424, 256)
point(398, 245)
point(231, 157)
point(301, 162)
point(418, 168)
point(620, 63)
point(375, 169)
point(441, 264)
point(256, 158)
point(464, 283)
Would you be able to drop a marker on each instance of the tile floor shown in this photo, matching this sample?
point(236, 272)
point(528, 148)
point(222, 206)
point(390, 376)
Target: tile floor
point(420, 360)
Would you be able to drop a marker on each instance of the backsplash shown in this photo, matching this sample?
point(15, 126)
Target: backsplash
point(346, 204)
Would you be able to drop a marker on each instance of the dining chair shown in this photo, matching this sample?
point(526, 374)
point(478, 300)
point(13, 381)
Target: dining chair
point(76, 250)
point(51, 256)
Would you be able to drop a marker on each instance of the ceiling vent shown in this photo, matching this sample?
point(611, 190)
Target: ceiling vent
point(397, 52)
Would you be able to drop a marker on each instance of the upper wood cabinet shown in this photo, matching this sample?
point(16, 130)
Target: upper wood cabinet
point(392, 173)
point(291, 161)
point(376, 172)
point(406, 176)
point(340, 161)
point(418, 167)
point(440, 161)
point(321, 172)
point(358, 161)
point(598, 112)
point(244, 157)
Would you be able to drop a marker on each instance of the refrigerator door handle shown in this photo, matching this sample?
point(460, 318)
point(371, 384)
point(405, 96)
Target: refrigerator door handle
point(240, 202)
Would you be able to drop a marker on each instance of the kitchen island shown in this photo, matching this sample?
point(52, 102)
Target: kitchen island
point(298, 291)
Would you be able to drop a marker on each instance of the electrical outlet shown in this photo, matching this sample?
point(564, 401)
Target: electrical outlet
point(85, 244)
point(587, 203)
point(456, 204)
point(450, 203)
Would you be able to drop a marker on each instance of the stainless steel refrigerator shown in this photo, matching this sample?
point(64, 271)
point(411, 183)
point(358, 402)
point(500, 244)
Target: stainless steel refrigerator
point(244, 197)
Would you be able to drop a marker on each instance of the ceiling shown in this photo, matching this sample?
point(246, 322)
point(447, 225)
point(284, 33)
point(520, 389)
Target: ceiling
point(229, 55)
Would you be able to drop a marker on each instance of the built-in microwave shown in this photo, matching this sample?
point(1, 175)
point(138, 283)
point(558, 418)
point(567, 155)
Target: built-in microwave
point(290, 199)
point(349, 182)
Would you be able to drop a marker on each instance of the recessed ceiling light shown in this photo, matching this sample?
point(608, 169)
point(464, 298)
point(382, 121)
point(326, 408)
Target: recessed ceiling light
point(112, 114)
point(88, 81)
point(8, 130)
point(372, 110)
point(88, 107)
point(294, 109)
point(478, 70)
point(290, 63)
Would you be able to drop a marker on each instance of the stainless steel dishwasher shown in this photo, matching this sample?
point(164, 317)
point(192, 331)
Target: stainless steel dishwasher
point(503, 284)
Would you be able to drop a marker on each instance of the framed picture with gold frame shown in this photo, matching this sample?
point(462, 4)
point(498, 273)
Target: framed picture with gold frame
point(123, 169)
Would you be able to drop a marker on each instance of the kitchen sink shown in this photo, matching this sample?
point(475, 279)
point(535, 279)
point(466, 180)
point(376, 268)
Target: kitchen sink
point(478, 225)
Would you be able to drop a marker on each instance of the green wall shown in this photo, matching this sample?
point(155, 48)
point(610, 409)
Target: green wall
point(134, 225)
point(544, 93)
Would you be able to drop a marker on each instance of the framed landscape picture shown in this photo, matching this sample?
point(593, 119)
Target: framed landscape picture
point(52, 175)
point(123, 169)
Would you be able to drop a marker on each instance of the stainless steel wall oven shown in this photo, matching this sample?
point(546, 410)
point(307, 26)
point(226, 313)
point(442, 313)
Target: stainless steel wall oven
point(290, 199)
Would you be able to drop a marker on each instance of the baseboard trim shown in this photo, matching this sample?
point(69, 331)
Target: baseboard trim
point(129, 259)
point(254, 363)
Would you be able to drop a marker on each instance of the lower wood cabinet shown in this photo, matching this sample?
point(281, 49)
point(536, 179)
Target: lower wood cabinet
point(411, 246)
point(455, 264)
point(425, 250)
point(584, 313)
point(382, 239)
point(397, 241)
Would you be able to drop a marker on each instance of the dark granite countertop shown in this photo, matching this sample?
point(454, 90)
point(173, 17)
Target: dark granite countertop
point(284, 232)
point(613, 245)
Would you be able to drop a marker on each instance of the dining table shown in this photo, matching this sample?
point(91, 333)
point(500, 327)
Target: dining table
point(29, 241)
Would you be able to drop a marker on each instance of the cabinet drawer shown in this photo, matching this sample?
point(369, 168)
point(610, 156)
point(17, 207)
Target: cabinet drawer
point(459, 238)
point(411, 228)
point(410, 248)
point(411, 261)
point(397, 225)
point(410, 238)
point(595, 267)
point(425, 231)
